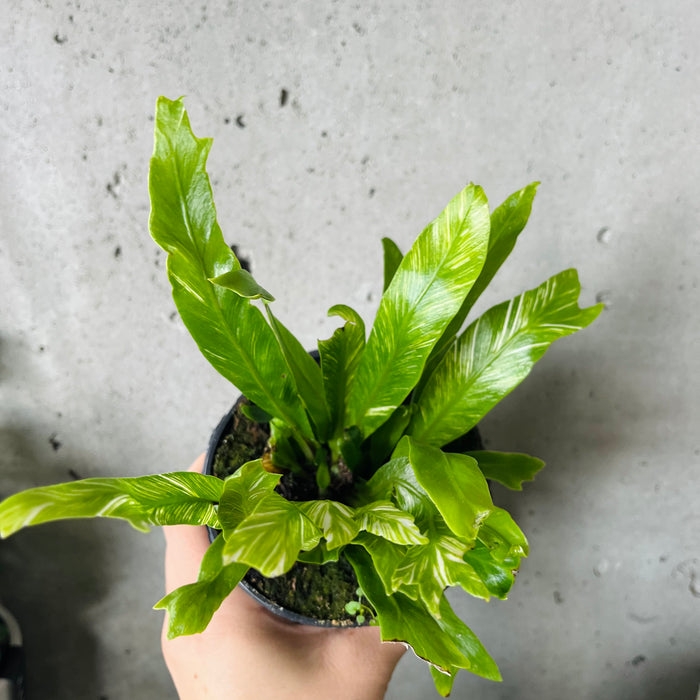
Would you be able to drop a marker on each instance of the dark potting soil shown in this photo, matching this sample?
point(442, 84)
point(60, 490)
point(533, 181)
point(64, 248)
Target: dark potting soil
point(244, 441)
point(313, 590)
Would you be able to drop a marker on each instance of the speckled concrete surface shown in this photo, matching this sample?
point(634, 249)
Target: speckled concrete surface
point(390, 108)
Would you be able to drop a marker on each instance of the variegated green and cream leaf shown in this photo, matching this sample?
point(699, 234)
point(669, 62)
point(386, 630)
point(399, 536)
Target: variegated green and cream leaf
point(271, 538)
point(336, 521)
point(424, 571)
point(243, 492)
point(429, 569)
point(445, 642)
point(426, 291)
point(340, 355)
point(494, 355)
point(191, 607)
point(384, 519)
point(178, 498)
point(467, 642)
point(397, 481)
point(231, 333)
point(507, 223)
point(320, 554)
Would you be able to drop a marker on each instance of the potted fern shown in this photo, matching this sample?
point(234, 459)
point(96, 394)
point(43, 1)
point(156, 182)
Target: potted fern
point(355, 460)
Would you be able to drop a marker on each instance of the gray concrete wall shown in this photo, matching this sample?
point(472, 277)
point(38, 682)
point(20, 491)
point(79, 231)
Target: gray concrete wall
point(392, 107)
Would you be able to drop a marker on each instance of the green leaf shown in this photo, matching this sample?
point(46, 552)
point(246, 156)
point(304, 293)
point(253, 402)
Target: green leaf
point(427, 290)
point(445, 642)
point(423, 572)
point(384, 519)
point(402, 619)
point(323, 477)
point(243, 283)
point(255, 413)
point(191, 607)
point(386, 556)
point(349, 315)
point(455, 485)
point(353, 607)
point(420, 571)
point(307, 375)
point(443, 681)
point(507, 223)
point(468, 643)
point(507, 468)
point(396, 479)
point(243, 492)
point(502, 536)
point(340, 355)
point(392, 259)
point(430, 569)
point(497, 576)
point(270, 539)
point(426, 571)
point(178, 498)
point(385, 438)
point(350, 447)
point(494, 355)
point(340, 524)
point(286, 445)
point(231, 333)
point(335, 520)
point(319, 555)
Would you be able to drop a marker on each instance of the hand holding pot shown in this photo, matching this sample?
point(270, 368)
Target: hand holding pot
point(246, 652)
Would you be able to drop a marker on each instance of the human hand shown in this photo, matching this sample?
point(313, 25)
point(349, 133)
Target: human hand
point(247, 652)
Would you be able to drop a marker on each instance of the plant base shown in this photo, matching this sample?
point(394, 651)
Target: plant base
point(310, 594)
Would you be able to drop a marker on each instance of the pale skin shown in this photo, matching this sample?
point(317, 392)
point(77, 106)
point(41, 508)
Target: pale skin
point(248, 653)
